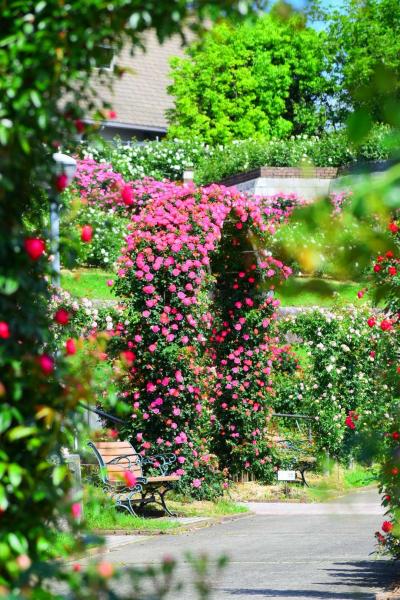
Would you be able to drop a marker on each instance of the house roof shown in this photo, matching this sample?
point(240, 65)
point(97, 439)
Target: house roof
point(140, 96)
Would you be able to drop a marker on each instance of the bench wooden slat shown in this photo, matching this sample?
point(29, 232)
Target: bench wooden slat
point(163, 478)
point(124, 467)
point(118, 452)
point(103, 445)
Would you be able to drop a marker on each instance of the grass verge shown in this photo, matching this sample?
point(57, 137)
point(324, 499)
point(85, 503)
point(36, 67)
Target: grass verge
point(323, 487)
point(313, 291)
point(100, 514)
point(88, 283)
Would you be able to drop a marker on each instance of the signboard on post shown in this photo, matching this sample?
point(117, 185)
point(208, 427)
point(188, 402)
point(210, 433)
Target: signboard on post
point(286, 475)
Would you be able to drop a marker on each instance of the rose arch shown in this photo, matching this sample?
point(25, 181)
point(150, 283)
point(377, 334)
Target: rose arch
point(196, 339)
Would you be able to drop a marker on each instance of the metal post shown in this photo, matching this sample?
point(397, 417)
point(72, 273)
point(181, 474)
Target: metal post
point(55, 240)
point(74, 464)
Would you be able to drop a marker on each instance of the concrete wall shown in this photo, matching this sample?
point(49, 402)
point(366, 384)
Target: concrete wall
point(308, 189)
point(267, 181)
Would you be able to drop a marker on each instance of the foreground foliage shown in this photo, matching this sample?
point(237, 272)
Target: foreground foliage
point(47, 52)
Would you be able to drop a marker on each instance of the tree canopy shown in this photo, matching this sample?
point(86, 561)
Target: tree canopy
point(364, 46)
point(260, 78)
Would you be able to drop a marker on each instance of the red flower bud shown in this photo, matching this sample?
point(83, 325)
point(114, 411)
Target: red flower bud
point(61, 182)
point(86, 233)
point(393, 227)
point(389, 254)
point(371, 322)
point(34, 247)
point(392, 270)
point(377, 268)
point(395, 435)
point(112, 114)
point(4, 330)
point(62, 316)
point(395, 471)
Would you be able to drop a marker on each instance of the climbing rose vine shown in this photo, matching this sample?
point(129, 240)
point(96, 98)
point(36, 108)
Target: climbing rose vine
point(198, 379)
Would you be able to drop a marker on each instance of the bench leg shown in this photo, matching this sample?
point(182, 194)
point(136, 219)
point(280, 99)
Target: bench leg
point(302, 471)
point(165, 507)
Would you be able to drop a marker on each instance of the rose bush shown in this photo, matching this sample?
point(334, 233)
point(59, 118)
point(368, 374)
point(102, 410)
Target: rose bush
point(179, 330)
point(339, 355)
point(386, 282)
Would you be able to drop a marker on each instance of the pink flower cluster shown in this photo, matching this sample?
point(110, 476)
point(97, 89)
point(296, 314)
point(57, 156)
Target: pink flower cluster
point(98, 184)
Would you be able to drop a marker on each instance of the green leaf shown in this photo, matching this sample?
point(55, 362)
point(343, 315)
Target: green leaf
point(15, 474)
point(18, 543)
point(8, 285)
point(20, 431)
point(5, 419)
point(3, 498)
point(4, 551)
point(59, 474)
point(40, 6)
point(35, 98)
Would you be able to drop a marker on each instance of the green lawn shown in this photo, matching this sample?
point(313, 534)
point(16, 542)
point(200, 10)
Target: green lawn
point(297, 291)
point(100, 514)
point(312, 291)
point(88, 283)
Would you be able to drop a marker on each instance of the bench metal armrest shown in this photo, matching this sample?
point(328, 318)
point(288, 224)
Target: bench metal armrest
point(163, 462)
point(130, 464)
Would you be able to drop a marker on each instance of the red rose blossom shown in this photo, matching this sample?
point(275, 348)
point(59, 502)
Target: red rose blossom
point(395, 435)
point(62, 316)
point(386, 325)
point(46, 364)
point(79, 125)
point(393, 227)
point(86, 233)
point(34, 247)
point(70, 347)
point(387, 526)
point(130, 478)
point(112, 114)
point(392, 270)
point(395, 471)
point(377, 268)
point(127, 195)
point(371, 322)
point(4, 330)
point(128, 356)
point(61, 182)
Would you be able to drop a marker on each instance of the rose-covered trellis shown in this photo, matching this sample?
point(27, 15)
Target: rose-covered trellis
point(196, 334)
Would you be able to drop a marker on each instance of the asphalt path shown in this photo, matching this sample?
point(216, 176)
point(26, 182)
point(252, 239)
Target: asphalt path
point(290, 551)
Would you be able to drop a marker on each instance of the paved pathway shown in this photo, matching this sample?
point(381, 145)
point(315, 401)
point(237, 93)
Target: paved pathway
point(306, 553)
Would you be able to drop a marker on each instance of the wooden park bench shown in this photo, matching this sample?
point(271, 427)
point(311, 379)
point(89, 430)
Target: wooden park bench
point(115, 458)
point(298, 456)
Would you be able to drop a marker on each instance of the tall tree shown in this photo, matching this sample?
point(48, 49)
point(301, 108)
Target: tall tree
point(364, 46)
point(261, 78)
